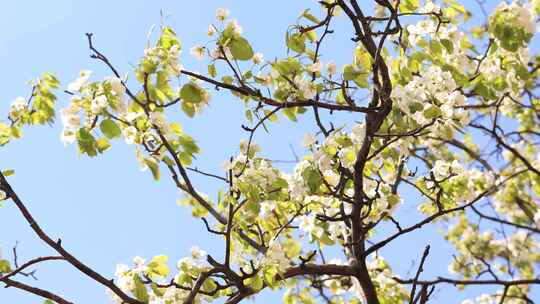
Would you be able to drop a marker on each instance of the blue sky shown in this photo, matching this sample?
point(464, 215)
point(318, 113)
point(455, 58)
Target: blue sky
point(105, 210)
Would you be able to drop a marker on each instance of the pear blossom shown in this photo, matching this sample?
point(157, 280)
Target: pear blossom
point(68, 136)
point(18, 104)
point(129, 133)
point(307, 88)
point(430, 7)
point(358, 133)
point(211, 30)
point(234, 26)
point(197, 253)
point(197, 51)
point(307, 224)
point(308, 140)
point(79, 82)
point(257, 58)
point(222, 14)
point(116, 86)
point(275, 256)
point(139, 265)
point(331, 68)
point(315, 67)
point(99, 104)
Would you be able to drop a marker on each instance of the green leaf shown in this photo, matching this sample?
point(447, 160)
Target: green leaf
point(16, 132)
point(154, 168)
point(8, 172)
point(4, 266)
point(288, 66)
point(435, 47)
point(188, 144)
point(140, 292)
point(432, 112)
point(110, 129)
point(188, 108)
point(271, 117)
point(5, 134)
point(212, 70)
point(311, 35)
point(168, 38)
point(86, 142)
point(296, 42)
point(191, 93)
point(408, 6)
point(50, 80)
point(257, 283)
point(290, 113)
point(312, 178)
point(158, 266)
point(176, 128)
point(102, 145)
point(448, 45)
point(358, 76)
point(241, 49)
point(163, 88)
point(209, 285)
point(306, 14)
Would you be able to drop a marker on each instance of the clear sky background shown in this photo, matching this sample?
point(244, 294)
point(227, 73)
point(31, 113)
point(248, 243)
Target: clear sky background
point(104, 209)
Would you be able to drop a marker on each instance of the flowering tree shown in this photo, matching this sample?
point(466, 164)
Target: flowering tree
point(432, 113)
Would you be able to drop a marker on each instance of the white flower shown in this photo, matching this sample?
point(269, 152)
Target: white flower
point(429, 8)
point(253, 147)
point(3, 196)
point(184, 263)
point(98, 104)
point(537, 218)
point(139, 264)
point(257, 58)
point(442, 169)
point(79, 82)
point(307, 88)
point(197, 253)
point(116, 86)
point(266, 208)
point(215, 53)
point(315, 67)
point(197, 51)
point(331, 68)
point(138, 261)
point(158, 119)
point(308, 140)
point(380, 11)
point(307, 224)
point(131, 116)
point(222, 14)
point(130, 134)
point(211, 30)
point(226, 165)
point(18, 104)
point(331, 177)
point(70, 118)
point(176, 69)
point(121, 270)
point(358, 133)
point(276, 256)
point(67, 136)
point(324, 162)
point(236, 28)
point(524, 17)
